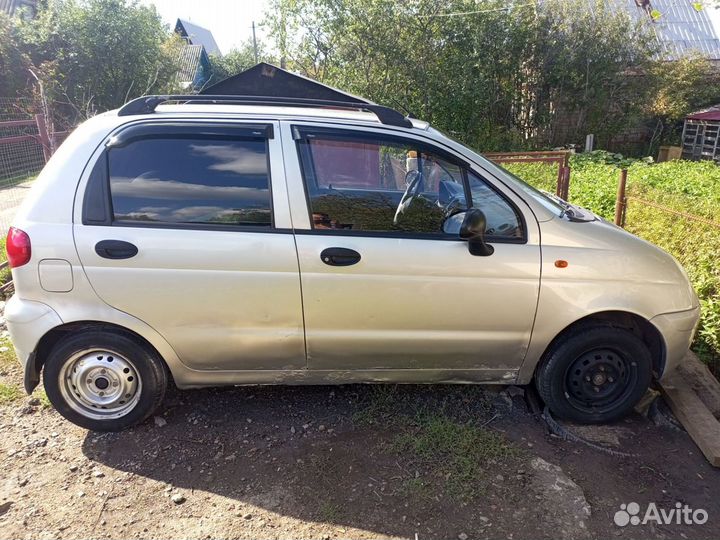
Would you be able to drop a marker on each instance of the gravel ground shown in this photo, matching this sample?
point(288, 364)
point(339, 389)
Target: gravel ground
point(350, 461)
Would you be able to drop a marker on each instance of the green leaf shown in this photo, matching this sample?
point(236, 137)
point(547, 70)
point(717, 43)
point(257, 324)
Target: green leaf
point(655, 14)
point(698, 6)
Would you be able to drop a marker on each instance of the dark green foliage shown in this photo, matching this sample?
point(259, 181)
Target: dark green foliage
point(493, 79)
point(237, 60)
point(14, 63)
point(95, 55)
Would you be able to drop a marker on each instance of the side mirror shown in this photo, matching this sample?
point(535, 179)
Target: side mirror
point(473, 230)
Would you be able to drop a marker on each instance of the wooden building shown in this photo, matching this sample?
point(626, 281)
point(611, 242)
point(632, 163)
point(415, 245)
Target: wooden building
point(701, 134)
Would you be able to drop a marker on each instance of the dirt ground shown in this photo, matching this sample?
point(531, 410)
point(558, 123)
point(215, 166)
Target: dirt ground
point(341, 462)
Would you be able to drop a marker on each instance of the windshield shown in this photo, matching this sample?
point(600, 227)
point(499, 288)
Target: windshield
point(547, 201)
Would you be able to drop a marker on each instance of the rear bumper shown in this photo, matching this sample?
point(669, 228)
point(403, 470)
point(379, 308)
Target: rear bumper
point(678, 330)
point(27, 322)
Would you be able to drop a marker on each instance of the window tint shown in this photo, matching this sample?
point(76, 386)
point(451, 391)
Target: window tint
point(379, 185)
point(502, 220)
point(183, 180)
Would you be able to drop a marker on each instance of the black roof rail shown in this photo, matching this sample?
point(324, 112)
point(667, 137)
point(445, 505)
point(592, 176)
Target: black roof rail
point(147, 105)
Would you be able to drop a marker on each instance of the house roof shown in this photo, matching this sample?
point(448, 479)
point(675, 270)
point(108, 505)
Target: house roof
point(267, 80)
point(681, 29)
point(188, 63)
point(709, 114)
point(197, 35)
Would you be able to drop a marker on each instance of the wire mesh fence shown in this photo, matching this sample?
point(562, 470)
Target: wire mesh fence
point(694, 240)
point(22, 153)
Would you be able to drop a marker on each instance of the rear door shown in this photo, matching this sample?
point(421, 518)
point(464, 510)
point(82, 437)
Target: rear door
point(186, 226)
point(390, 286)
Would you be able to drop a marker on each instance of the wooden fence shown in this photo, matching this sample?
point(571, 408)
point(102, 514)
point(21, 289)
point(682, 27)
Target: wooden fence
point(559, 157)
point(48, 141)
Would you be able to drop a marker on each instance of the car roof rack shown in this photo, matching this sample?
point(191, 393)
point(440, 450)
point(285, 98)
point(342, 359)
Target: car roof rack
point(148, 104)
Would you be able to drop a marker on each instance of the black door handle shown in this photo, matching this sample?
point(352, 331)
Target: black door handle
point(336, 256)
point(115, 249)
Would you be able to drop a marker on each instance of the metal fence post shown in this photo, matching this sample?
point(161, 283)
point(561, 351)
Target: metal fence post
point(620, 201)
point(44, 136)
point(589, 142)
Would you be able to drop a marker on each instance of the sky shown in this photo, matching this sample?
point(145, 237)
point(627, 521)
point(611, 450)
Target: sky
point(230, 21)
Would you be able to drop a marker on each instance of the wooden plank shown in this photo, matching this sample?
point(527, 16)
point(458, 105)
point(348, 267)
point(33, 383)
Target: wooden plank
point(705, 385)
point(18, 139)
point(44, 136)
point(697, 419)
point(556, 153)
point(509, 159)
point(17, 123)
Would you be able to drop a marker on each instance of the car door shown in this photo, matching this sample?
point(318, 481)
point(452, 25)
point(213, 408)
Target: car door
point(389, 285)
point(186, 227)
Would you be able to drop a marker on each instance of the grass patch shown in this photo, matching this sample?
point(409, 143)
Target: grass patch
point(330, 511)
point(461, 454)
point(437, 434)
point(16, 180)
point(415, 488)
point(44, 400)
point(5, 274)
point(9, 393)
point(7, 352)
point(380, 404)
point(12, 392)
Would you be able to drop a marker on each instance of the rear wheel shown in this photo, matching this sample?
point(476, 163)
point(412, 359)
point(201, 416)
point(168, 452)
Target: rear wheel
point(104, 380)
point(594, 374)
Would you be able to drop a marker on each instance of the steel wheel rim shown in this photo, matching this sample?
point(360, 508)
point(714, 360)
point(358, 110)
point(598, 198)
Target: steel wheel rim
point(100, 384)
point(597, 380)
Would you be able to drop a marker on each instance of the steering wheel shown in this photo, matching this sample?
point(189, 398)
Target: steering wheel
point(453, 206)
point(503, 229)
point(413, 180)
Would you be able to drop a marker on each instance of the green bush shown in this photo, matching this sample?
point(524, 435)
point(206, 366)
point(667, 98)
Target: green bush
point(691, 187)
point(5, 272)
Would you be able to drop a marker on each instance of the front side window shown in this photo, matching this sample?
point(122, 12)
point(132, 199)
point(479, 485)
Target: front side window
point(356, 183)
point(193, 181)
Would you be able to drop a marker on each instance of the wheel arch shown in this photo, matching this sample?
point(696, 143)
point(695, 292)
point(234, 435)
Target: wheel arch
point(54, 335)
point(626, 320)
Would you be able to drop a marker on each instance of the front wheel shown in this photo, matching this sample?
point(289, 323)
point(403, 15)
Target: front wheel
point(104, 380)
point(594, 374)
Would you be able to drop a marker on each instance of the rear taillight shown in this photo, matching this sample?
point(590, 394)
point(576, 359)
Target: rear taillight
point(17, 247)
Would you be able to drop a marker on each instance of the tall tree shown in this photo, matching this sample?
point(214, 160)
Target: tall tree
point(14, 63)
point(493, 71)
point(238, 60)
point(97, 54)
point(594, 61)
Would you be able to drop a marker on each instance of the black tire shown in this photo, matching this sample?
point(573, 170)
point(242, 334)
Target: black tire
point(594, 373)
point(146, 369)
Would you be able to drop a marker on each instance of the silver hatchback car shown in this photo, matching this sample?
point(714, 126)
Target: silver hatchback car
point(224, 241)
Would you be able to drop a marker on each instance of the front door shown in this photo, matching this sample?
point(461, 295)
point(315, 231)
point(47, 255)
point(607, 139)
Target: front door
point(179, 230)
point(387, 284)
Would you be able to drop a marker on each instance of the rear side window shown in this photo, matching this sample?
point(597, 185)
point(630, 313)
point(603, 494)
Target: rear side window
point(191, 181)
